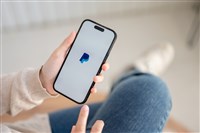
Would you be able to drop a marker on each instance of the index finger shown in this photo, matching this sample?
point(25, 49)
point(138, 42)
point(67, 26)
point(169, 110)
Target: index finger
point(82, 119)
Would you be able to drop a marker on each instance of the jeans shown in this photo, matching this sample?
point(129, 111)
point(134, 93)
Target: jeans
point(138, 102)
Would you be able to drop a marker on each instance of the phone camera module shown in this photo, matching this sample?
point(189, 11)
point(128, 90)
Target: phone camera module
point(99, 28)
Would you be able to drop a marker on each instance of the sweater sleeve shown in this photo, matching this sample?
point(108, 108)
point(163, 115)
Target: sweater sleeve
point(21, 91)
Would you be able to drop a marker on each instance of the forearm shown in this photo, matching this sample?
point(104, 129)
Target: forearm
point(21, 91)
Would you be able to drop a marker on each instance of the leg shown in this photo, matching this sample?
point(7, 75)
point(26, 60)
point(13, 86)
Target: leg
point(139, 102)
point(63, 120)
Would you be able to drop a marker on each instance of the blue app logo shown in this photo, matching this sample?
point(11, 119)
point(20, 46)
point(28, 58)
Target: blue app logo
point(84, 58)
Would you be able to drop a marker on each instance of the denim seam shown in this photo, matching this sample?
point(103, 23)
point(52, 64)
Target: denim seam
point(162, 122)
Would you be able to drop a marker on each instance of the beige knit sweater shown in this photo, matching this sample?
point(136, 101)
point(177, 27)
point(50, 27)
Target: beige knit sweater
point(22, 91)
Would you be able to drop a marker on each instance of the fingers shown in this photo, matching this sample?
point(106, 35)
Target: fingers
point(94, 90)
point(97, 127)
point(68, 41)
point(98, 78)
point(80, 126)
point(105, 66)
point(82, 119)
point(70, 38)
point(73, 129)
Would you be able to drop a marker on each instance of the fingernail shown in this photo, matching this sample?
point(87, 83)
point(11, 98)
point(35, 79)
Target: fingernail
point(95, 78)
point(101, 121)
point(85, 108)
point(73, 128)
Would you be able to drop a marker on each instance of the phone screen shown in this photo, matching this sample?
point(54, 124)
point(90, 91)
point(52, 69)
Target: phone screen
point(89, 51)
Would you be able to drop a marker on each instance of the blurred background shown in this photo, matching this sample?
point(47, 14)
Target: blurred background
point(32, 30)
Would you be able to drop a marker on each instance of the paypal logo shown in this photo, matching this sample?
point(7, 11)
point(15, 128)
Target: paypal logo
point(84, 58)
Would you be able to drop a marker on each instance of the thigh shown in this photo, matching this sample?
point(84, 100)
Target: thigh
point(139, 102)
point(62, 121)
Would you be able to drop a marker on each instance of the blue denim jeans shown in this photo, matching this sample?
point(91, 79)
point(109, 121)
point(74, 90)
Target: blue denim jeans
point(138, 102)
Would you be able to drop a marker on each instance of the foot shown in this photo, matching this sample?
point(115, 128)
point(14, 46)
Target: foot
point(156, 59)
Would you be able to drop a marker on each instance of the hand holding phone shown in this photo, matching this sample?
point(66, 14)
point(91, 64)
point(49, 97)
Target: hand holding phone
point(77, 66)
point(84, 60)
point(50, 69)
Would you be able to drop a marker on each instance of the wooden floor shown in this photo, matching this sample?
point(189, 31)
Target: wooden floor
point(60, 102)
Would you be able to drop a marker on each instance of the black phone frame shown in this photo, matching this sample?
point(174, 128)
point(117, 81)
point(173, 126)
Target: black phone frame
point(99, 70)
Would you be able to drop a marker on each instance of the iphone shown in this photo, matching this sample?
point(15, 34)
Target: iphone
point(87, 54)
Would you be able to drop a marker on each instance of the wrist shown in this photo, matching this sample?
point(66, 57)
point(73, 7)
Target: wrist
point(41, 77)
point(47, 86)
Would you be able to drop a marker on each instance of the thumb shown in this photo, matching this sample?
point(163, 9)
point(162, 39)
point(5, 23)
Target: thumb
point(68, 41)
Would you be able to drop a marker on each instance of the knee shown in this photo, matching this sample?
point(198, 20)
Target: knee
point(143, 98)
point(146, 90)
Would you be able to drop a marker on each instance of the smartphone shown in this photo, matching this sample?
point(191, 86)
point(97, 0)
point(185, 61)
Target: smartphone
point(84, 60)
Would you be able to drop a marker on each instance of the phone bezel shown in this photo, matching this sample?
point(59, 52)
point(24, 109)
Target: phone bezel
point(99, 70)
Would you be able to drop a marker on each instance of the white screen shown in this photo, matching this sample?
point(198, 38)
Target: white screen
point(75, 78)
